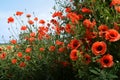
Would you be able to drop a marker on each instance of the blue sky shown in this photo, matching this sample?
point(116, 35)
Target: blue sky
point(41, 8)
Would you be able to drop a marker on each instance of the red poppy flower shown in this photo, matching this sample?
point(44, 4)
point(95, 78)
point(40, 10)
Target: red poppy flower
point(13, 41)
point(51, 48)
point(28, 50)
point(65, 63)
point(91, 35)
point(19, 54)
point(32, 34)
point(14, 61)
point(10, 20)
point(22, 64)
point(86, 10)
point(27, 58)
point(107, 61)
point(68, 9)
point(3, 55)
point(69, 28)
point(73, 17)
point(74, 44)
point(28, 15)
point(55, 22)
point(9, 47)
point(103, 28)
point(112, 35)
point(58, 42)
point(61, 49)
point(115, 2)
point(80, 16)
point(99, 48)
point(19, 13)
point(57, 14)
point(87, 58)
point(88, 24)
point(47, 36)
point(116, 26)
point(41, 49)
point(1, 49)
point(42, 21)
point(23, 28)
point(117, 8)
point(73, 55)
point(36, 19)
point(48, 24)
point(31, 39)
point(30, 22)
point(57, 29)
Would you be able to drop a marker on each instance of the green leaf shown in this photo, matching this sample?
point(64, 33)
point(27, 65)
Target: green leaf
point(111, 76)
point(94, 71)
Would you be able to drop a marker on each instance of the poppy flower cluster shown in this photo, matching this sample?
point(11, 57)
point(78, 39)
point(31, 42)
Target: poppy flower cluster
point(82, 39)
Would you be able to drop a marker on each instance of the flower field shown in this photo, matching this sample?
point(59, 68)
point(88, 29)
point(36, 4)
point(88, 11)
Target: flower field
point(80, 42)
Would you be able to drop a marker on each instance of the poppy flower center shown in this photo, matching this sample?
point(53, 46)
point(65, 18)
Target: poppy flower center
point(87, 59)
point(75, 44)
point(106, 61)
point(99, 48)
point(75, 54)
point(112, 35)
point(104, 29)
